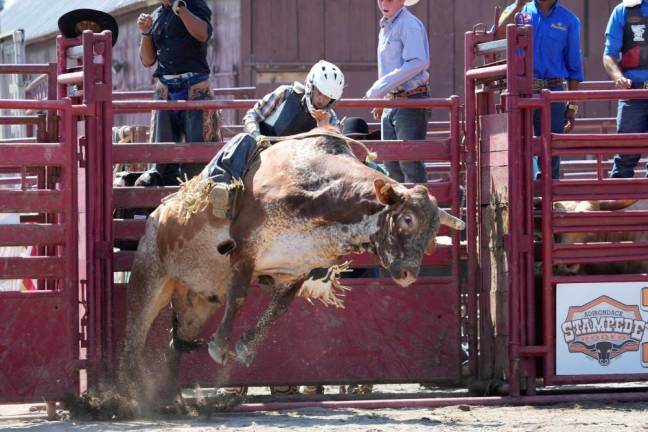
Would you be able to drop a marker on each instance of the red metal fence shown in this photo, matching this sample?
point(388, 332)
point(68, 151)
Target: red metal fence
point(386, 333)
point(39, 345)
point(518, 306)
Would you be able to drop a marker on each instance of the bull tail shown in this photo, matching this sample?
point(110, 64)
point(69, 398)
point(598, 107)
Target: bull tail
point(614, 205)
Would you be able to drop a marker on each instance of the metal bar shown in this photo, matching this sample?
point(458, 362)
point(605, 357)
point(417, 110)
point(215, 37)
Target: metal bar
point(31, 234)
point(18, 140)
point(71, 78)
point(596, 95)
point(608, 189)
point(16, 201)
point(32, 268)
point(128, 229)
point(24, 68)
point(24, 104)
point(441, 402)
point(548, 305)
point(219, 91)
point(130, 105)
point(428, 150)
point(601, 221)
point(601, 278)
point(591, 142)
point(455, 159)
point(472, 219)
point(32, 154)
point(492, 47)
point(19, 120)
point(498, 71)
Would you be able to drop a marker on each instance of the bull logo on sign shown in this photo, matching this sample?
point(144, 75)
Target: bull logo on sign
point(603, 329)
point(603, 350)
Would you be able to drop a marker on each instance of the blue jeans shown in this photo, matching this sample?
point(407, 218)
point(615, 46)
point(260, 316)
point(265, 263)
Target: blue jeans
point(406, 124)
point(557, 126)
point(632, 117)
point(174, 125)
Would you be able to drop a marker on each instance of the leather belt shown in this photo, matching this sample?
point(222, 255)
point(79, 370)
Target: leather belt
point(539, 84)
point(417, 90)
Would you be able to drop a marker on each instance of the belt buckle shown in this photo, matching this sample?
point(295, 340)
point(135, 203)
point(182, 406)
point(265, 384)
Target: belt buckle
point(645, 85)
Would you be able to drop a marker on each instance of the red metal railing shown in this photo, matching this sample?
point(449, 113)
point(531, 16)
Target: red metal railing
point(41, 327)
point(499, 161)
point(600, 188)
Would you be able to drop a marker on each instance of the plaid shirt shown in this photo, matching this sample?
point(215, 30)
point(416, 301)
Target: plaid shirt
point(270, 102)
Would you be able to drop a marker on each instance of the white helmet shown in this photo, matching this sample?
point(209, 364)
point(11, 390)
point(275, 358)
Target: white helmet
point(327, 78)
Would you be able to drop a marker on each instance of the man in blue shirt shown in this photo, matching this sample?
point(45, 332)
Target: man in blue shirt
point(626, 61)
point(556, 58)
point(403, 60)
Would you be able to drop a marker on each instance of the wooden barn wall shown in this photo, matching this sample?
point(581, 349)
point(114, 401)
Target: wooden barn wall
point(282, 38)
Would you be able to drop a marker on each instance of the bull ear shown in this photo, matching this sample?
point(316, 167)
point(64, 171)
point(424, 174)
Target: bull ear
point(386, 193)
point(450, 221)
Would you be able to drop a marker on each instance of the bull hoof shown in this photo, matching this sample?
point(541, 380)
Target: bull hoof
point(243, 354)
point(218, 352)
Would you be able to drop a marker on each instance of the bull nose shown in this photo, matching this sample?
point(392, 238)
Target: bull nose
point(405, 278)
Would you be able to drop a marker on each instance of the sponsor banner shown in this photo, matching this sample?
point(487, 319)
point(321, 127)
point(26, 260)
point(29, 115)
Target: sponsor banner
point(601, 328)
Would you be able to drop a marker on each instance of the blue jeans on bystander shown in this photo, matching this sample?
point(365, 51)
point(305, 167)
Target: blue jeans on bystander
point(632, 117)
point(557, 126)
point(406, 124)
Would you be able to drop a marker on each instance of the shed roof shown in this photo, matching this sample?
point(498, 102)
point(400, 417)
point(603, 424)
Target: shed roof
point(38, 18)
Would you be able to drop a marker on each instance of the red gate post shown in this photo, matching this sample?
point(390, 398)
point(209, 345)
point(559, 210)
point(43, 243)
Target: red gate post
point(500, 174)
point(92, 85)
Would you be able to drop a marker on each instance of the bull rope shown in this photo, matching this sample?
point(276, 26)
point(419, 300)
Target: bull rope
point(319, 132)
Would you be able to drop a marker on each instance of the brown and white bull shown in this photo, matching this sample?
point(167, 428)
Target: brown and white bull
point(307, 203)
point(625, 267)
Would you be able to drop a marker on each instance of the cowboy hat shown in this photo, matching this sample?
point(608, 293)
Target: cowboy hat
point(411, 2)
point(68, 23)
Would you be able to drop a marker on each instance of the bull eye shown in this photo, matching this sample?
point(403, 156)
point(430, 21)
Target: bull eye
point(408, 220)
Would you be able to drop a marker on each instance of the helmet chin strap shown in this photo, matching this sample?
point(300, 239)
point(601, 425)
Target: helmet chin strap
point(309, 102)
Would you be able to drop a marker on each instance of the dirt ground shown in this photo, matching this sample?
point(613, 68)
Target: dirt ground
point(600, 416)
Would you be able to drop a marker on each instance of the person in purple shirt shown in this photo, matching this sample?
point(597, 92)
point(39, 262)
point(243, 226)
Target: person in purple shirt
point(556, 58)
point(626, 61)
point(403, 61)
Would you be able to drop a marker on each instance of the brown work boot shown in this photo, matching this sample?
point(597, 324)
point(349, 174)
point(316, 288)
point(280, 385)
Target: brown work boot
point(219, 197)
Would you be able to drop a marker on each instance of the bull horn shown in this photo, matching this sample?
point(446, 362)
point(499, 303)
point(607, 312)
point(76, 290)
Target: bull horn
point(448, 220)
point(614, 205)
